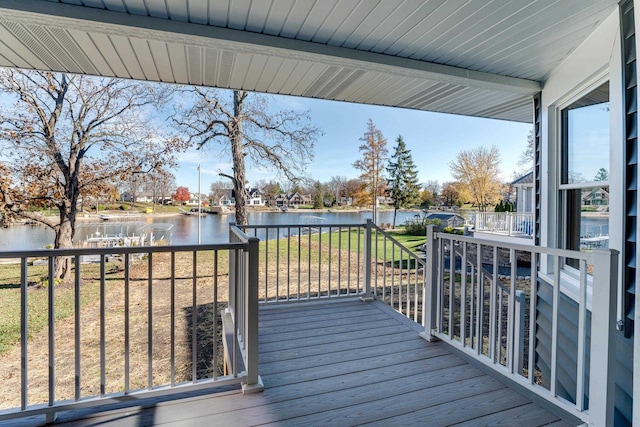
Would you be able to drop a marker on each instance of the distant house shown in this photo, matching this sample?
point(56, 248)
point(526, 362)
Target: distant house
point(345, 201)
point(254, 198)
point(142, 197)
point(595, 197)
point(447, 219)
point(297, 199)
point(194, 199)
point(524, 192)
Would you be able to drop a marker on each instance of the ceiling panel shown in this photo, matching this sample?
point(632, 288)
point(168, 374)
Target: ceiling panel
point(482, 58)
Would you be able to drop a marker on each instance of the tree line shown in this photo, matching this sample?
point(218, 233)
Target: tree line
point(68, 140)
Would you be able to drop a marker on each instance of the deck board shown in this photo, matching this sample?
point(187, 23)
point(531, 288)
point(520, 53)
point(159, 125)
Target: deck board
point(345, 363)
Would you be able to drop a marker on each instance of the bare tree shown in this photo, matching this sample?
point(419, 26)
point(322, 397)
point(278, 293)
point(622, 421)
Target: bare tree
point(374, 154)
point(433, 186)
point(478, 169)
point(160, 183)
point(217, 190)
point(64, 133)
point(283, 140)
point(339, 186)
point(134, 184)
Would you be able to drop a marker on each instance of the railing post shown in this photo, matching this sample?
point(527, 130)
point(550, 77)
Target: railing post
point(254, 383)
point(367, 296)
point(603, 338)
point(430, 295)
point(519, 321)
point(232, 267)
point(510, 216)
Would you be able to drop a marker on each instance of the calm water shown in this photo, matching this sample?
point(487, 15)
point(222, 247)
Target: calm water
point(183, 230)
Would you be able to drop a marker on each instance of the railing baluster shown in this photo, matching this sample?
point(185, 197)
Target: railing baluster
point(440, 297)
point(358, 262)
point(52, 338)
point(194, 319)
point(512, 313)
point(473, 339)
point(103, 335)
point(533, 297)
point(554, 324)
point(278, 265)
point(309, 263)
point(299, 261)
point(339, 260)
point(492, 306)
point(215, 314)
point(127, 347)
point(393, 271)
point(349, 260)
point(266, 265)
point(288, 263)
point(480, 301)
point(329, 267)
point(173, 320)
point(384, 267)
point(463, 296)
point(452, 284)
point(24, 334)
point(77, 327)
point(319, 260)
point(150, 323)
point(415, 290)
point(582, 336)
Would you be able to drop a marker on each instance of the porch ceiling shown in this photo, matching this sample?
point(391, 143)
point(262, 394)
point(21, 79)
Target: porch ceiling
point(471, 57)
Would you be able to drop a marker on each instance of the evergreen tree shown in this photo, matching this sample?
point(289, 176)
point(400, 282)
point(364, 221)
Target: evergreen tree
point(403, 178)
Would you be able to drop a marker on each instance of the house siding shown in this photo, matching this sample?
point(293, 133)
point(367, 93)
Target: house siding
point(568, 351)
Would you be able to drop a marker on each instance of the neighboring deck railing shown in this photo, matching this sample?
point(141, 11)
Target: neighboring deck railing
point(307, 262)
point(476, 292)
point(508, 223)
point(144, 322)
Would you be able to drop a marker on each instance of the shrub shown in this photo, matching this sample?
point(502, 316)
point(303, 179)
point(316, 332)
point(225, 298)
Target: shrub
point(452, 230)
point(418, 226)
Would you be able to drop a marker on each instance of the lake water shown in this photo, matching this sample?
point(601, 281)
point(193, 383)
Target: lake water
point(182, 229)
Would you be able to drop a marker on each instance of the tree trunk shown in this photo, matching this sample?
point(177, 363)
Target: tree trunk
point(395, 211)
point(239, 176)
point(64, 240)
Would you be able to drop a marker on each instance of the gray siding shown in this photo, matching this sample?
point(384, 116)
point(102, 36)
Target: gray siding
point(568, 350)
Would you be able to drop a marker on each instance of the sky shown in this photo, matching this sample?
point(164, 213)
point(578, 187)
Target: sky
point(433, 138)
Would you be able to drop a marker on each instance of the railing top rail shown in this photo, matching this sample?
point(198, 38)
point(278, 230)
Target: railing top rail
point(566, 253)
point(237, 232)
point(402, 247)
point(120, 250)
point(341, 225)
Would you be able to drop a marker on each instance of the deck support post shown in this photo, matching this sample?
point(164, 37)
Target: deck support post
point(367, 296)
point(603, 338)
point(254, 383)
point(430, 294)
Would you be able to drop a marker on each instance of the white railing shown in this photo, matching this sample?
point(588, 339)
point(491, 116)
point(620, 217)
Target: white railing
point(132, 322)
point(508, 223)
point(307, 262)
point(481, 298)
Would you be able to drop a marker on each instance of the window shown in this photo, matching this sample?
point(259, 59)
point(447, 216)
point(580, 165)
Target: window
point(584, 172)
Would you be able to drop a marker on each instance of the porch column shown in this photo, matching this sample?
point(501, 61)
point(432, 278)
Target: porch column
point(430, 294)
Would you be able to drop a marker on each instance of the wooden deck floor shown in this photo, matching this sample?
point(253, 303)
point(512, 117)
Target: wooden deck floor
point(347, 363)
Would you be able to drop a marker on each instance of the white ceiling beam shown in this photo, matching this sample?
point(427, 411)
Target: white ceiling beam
point(146, 28)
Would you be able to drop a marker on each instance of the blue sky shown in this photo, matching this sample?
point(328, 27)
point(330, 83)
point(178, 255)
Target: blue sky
point(433, 138)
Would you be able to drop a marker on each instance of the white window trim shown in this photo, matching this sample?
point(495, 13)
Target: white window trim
point(569, 276)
